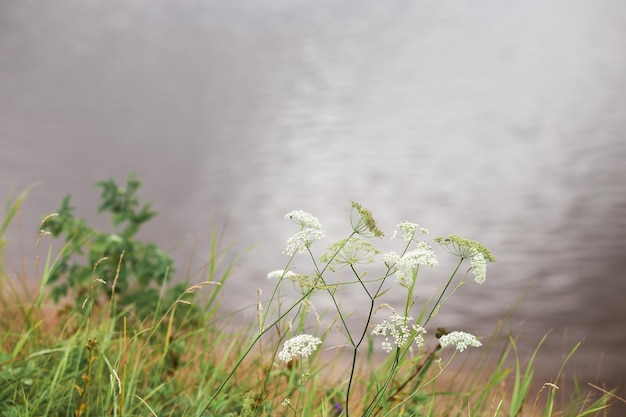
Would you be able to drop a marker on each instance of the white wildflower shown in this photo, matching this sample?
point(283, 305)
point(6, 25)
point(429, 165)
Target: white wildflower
point(302, 345)
point(302, 240)
point(479, 267)
point(304, 219)
point(398, 328)
point(390, 259)
point(419, 335)
point(286, 402)
point(280, 273)
point(408, 230)
point(408, 264)
point(460, 340)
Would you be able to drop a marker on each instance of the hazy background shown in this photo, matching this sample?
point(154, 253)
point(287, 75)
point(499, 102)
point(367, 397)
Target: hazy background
point(503, 122)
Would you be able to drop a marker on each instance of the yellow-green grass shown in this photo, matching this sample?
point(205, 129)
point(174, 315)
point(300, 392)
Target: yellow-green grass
point(60, 361)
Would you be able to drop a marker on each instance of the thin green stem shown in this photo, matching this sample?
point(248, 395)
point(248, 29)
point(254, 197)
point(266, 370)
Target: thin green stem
point(370, 407)
point(320, 274)
point(409, 297)
point(368, 320)
point(436, 306)
point(247, 351)
point(356, 347)
point(274, 292)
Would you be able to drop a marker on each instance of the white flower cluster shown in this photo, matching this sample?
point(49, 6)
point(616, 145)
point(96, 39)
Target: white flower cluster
point(408, 230)
point(304, 219)
point(479, 267)
point(398, 328)
point(311, 231)
point(460, 340)
point(406, 265)
point(302, 345)
point(280, 273)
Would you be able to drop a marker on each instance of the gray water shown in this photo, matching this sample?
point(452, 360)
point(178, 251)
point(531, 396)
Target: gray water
point(503, 122)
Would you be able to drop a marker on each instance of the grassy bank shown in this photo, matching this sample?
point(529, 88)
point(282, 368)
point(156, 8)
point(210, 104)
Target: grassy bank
point(99, 338)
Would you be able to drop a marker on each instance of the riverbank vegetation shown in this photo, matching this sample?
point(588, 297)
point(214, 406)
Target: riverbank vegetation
point(105, 333)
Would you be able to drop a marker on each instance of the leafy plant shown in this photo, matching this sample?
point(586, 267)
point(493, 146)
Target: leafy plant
point(131, 271)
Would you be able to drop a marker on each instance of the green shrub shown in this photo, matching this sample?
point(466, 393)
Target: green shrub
point(132, 271)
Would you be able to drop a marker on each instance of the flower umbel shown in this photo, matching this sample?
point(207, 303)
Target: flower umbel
point(349, 252)
point(299, 242)
point(302, 345)
point(479, 268)
point(304, 219)
point(398, 328)
point(390, 259)
point(311, 231)
point(478, 255)
point(464, 248)
point(407, 231)
point(460, 340)
point(407, 265)
point(363, 222)
point(280, 273)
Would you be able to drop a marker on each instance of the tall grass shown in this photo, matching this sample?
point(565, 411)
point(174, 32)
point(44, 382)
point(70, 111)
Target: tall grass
point(94, 358)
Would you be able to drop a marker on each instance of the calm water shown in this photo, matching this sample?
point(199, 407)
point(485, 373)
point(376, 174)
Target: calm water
point(502, 122)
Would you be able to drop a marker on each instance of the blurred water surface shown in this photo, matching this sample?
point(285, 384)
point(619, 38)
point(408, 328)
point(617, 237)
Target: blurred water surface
point(503, 122)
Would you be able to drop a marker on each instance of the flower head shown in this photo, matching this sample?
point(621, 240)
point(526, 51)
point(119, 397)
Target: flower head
point(304, 219)
point(349, 252)
point(310, 232)
point(460, 340)
point(390, 259)
point(363, 222)
point(302, 345)
point(299, 242)
point(407, 231)
point(280, 273)
point(478, 255)
point(407, 265)
point(479, 267)
point(464, 248)
point(398, 328)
